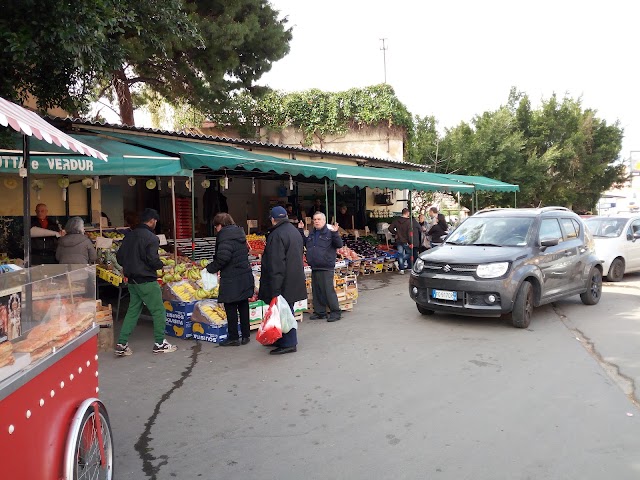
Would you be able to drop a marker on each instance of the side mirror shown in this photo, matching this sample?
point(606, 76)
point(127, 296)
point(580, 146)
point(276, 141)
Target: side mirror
point(636, 235)
point(550, 242)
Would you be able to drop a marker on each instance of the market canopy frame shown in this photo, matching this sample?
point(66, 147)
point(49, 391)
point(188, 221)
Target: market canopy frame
point(481, 184)
point(198, 155)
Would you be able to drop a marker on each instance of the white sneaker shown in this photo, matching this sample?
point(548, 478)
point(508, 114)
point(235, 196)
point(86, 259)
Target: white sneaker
point(401, 272)
point(164, 347)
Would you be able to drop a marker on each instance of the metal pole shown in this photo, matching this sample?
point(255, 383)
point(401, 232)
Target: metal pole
point(411, 230)
point(515, 199)
point(326, 198)
point(26, 193)
point(193, 216)
point(335, 213)
point(175, 221)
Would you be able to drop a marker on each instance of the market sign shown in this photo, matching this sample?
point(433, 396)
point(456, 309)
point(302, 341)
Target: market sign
point(50, 165)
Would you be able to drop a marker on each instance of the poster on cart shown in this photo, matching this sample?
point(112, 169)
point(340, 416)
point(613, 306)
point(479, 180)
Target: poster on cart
point(10, 322)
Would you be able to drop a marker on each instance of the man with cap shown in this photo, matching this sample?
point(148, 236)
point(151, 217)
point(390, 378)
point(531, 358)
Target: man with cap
point(282, 271)
point(138, 255)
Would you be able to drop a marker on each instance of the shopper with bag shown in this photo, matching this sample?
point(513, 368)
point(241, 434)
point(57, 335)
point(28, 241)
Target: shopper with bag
point(236, 279)
point(282, 271)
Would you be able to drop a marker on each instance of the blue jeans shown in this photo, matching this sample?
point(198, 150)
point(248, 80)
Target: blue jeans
point(404, 253)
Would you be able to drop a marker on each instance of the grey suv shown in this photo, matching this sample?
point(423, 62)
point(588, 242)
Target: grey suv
point(507, 261)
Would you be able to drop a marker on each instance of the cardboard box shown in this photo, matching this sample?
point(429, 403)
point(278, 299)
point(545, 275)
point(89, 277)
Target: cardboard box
point(207, 332)
point(256, 311)
point(179, 322)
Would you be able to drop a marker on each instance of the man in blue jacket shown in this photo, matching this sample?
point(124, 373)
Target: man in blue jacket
point(321, 244)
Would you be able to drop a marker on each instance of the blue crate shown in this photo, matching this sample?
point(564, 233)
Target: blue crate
point(179, 322)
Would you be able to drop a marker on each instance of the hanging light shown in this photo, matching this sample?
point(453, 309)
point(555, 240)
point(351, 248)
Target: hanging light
point(96, 182)
point(226, 182)
point(87, 182)
point(188, 184)
point(37, 185)
point(253, 185)
point(159, 182)
point(150, 184)
point(290, 182)
point(131, 181)
point(64, 184)
point(205, 183)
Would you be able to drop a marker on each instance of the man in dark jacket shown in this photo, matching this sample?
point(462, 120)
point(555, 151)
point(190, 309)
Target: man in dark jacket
point(401, 228)
point(43, 249)
point(138, 255)
point(282, 271)
point(321, 244)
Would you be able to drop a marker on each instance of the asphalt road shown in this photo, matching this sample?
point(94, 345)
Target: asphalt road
point(387, 393)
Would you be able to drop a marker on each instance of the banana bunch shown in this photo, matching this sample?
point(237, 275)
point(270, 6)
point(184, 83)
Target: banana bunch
point(201, 293)
point(215, 313)
point(184, 291)
point(194, 274)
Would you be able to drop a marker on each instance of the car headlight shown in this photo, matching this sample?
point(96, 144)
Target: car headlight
point(492, 270)
point(418, 266)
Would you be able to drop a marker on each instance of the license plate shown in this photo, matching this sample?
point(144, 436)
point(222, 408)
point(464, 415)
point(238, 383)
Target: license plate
point(444, 295)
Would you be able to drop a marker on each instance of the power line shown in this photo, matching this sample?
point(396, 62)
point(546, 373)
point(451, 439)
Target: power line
point(384, 57)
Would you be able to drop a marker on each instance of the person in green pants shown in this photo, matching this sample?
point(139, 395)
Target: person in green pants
point(138, 255)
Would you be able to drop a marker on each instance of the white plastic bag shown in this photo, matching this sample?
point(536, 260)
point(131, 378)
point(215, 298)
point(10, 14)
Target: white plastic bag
point(287, 320)
point(209, 280)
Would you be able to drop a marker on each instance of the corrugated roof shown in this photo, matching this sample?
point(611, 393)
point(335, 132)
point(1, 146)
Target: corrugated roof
point(235, 141)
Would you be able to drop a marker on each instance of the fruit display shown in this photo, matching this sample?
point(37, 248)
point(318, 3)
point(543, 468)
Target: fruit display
point(209, 311)
point(114, 235)
point(256, 242)
point(348, 254)
point(182, 291)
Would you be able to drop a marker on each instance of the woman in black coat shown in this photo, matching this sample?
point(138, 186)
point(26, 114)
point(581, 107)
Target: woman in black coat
point(236, 280)
point(439, 230)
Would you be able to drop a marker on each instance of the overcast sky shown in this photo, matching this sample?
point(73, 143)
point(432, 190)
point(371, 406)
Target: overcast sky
point(455, 59)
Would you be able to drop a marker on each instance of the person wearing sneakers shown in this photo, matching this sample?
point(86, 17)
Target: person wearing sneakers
point(138, 255)
point(231, 259)
point(282, 271)
point(322, 243)
point(401, 227)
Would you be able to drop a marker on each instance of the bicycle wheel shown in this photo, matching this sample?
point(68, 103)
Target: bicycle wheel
point(87, 464)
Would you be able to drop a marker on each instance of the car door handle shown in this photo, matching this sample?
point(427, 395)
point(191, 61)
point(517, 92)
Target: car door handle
point(568, 254)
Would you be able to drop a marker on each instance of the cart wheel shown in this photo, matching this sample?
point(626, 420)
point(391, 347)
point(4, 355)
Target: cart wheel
point(89, 453)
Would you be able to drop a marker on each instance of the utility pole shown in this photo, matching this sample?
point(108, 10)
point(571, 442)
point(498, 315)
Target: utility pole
point(384, 57)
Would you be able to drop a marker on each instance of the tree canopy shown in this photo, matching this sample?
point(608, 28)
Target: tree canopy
point(559, 153)
point(194, 51)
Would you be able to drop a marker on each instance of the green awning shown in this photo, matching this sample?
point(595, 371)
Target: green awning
point(394, 178)
point(124, 159)
point(481, 183)
point(195, 155)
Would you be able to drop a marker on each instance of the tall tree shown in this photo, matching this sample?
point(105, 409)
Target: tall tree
point(424, 146)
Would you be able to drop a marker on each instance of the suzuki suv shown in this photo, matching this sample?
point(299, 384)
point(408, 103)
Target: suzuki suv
point(507, 261)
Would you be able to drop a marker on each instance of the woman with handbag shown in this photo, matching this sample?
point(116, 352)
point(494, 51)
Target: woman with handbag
point(236, 279)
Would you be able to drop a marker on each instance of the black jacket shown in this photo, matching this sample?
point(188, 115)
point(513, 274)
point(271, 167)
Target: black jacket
point(438, 231)
point(321, 248)
point(232, 261)
point(75, 248)
point(44, 245)
point(282, 268)
point(138, 255)
point(400, 228)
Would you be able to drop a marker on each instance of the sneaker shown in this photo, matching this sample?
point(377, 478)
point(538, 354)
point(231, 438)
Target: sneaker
point(122, 350)
point(401, 272)
point(164, 347)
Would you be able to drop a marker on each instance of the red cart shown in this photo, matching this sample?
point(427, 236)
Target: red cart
point(52, 424)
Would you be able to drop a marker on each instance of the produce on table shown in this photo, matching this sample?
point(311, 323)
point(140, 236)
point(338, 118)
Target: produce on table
point(209, 311)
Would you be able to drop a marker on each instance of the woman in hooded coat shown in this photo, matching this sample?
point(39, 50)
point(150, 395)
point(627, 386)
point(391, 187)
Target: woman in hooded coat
point(236, 279)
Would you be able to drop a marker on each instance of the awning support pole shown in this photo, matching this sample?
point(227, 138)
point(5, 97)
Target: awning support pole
point(175, 221)
point(193, 215)
point(326, 198)
point(335, 213)
point(411, 230)
point(26, 194)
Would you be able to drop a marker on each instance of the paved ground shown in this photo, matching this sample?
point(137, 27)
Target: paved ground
point(388, 393)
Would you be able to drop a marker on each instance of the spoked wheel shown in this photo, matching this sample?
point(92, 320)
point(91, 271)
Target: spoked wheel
point(89, 453)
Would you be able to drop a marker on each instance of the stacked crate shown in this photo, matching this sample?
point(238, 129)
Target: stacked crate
point(345, 285)
point(104, 319)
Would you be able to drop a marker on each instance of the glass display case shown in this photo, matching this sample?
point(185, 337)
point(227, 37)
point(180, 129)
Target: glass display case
point(42, 310)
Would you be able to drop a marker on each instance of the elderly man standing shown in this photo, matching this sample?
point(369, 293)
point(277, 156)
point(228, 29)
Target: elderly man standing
point(321, 244)
point(283, 271)
point(43, 247)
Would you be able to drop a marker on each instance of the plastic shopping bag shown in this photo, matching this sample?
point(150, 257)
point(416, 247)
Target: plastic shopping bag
point(270, 329)
point(287, 320)
point(209, 280)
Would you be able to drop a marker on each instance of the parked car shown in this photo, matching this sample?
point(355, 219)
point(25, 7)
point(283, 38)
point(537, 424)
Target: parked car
point(506, 262)
point(617, 241)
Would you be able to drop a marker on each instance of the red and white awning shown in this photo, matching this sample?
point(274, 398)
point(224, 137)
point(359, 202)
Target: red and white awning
point(29, 123)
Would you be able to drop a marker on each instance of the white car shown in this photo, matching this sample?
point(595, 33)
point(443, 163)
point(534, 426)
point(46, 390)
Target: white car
point(617, 240)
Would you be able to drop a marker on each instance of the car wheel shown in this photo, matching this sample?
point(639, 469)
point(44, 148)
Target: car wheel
point(423, 310)
point(593, 294)
point(523, 306)
point(616, 270)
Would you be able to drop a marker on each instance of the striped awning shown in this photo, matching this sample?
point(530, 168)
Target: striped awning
point(31, 124)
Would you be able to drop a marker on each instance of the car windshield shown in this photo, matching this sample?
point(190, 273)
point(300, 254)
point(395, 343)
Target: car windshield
point(606, 226)
point(492, 231)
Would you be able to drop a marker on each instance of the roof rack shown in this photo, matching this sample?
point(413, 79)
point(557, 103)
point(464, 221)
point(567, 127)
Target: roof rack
point(550, 209)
